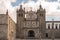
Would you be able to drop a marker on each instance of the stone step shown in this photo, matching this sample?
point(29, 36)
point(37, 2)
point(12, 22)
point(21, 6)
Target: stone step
point(37, 39)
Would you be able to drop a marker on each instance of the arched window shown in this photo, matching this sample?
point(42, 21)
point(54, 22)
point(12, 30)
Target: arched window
point(31, 33)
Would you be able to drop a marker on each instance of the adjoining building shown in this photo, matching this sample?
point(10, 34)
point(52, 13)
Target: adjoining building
point(7, 27)
point(53, 29)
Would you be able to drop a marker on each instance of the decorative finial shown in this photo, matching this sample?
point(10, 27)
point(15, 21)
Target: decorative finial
point(17, 11)
point(7, 12)
point(31, 8)
point(24, 9)
point(20, 6)
point(40, 6)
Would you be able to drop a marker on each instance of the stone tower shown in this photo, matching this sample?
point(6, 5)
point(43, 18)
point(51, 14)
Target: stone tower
point(30, 24)
point(20, 22)
point(41, 17)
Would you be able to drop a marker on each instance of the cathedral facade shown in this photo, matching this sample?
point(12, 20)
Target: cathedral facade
point(30, 24)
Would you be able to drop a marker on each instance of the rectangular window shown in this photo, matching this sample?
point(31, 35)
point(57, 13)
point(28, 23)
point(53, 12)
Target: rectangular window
point(48, 26)
point(56, 26)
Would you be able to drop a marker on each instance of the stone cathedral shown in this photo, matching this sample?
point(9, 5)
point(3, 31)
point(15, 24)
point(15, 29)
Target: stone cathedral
point(30, 24)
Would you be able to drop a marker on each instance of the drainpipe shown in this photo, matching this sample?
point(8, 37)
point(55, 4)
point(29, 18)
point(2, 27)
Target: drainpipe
point(52, 29)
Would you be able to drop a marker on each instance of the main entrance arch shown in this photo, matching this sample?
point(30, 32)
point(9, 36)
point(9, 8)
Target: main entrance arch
point(31, 33)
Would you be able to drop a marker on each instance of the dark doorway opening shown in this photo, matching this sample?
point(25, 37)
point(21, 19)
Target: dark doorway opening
point(31, 33)
point(46, 34)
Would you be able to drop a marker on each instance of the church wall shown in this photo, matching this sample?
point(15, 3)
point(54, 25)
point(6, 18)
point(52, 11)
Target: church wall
point(3, 26)
point(11, 29)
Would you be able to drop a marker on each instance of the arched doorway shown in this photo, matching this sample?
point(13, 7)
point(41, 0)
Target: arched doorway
point(31, 33)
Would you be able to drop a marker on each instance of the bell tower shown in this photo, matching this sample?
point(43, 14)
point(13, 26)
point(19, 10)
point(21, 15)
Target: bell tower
point(41, 17)
point(20, 22)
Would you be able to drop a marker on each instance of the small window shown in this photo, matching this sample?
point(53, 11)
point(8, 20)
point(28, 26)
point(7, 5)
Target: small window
point(41, 14)
point(52, 27)
point(48, 26)
point(56, 26)
point(21, 14)
point(46, 34)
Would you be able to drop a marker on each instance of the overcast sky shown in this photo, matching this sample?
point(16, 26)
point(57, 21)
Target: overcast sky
point(52, 7)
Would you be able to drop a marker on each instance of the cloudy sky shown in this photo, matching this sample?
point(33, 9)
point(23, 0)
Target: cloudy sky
point(52, 7)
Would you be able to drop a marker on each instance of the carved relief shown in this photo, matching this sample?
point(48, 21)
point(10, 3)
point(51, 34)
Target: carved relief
point(31, 24)
point(34, 24)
